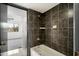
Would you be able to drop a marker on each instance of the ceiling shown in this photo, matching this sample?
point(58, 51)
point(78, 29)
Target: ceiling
point(40, 7)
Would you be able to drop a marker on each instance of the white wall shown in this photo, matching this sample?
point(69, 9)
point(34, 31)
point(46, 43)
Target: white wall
point(17, 39)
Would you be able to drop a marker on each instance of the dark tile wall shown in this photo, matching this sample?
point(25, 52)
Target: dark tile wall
point(70, 32)
point(42, 31)
point(76, 53)
point(33, 27)
point(60, 38)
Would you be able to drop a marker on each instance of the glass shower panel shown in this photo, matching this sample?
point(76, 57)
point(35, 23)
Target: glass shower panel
point(16, 28)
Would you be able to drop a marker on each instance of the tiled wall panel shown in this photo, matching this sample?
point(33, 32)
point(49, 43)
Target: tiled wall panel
point(33, 27)
point(60, 38)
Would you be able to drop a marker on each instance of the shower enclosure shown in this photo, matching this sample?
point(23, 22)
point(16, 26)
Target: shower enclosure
point(51, 33)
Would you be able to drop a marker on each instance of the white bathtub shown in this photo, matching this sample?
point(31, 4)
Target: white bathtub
point(40, 50)
point(43, 50)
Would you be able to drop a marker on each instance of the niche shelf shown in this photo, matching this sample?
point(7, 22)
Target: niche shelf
point(42, 28)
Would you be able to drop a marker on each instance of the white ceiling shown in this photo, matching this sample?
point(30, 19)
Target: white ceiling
point(40, 7)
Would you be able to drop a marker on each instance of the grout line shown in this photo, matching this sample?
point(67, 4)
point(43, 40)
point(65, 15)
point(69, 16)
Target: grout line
point(68, 31)
point(74, 29)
